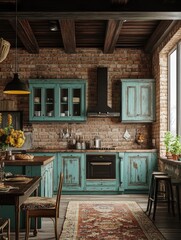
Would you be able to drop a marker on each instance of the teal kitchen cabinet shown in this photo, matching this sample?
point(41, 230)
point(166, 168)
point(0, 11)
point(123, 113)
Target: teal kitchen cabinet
point(57, 100)
point(137, 100)
point(56, 168)
point(73, 167)
point(138, 168)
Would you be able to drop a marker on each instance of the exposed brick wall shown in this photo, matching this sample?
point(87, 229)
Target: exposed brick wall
point(54, 63)
point(160, 72)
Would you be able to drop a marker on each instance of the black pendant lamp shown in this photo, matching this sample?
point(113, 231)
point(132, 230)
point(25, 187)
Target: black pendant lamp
point(16, 86)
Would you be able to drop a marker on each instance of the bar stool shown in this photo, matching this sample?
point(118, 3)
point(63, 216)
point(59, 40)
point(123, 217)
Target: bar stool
point(176, 183)
point(5, 223)
point(168, 193)
point(150, 194)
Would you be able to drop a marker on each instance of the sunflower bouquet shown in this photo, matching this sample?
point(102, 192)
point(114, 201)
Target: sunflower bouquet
point(9, 137)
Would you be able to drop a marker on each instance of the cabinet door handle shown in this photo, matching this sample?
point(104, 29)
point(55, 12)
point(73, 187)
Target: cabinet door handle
point(101, 163)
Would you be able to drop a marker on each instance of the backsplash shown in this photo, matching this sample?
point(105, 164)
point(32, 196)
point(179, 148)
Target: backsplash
point(110, 131)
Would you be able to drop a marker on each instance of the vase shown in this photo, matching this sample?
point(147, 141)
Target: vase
point(168, 155)
point(175, 156)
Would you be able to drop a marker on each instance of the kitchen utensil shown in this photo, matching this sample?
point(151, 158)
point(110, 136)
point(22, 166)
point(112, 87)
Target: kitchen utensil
point(37, 100)
point(37, 113)
point(64, 99)
point(66, 113)
point(126, 135)
point(97, 142)
point(50, 114)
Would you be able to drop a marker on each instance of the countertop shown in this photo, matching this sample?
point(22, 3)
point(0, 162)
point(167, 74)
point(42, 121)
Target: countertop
point(44, 150)
point(37, 160)
point(171, 161)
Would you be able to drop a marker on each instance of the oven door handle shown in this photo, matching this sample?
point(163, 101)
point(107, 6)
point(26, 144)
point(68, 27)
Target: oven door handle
point(101, 163)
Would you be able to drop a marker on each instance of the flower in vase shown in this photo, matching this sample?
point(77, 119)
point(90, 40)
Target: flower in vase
point(9, 137)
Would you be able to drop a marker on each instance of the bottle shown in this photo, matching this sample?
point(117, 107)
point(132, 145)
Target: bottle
point(1, 171)
point(83, 145)
point(78, 143)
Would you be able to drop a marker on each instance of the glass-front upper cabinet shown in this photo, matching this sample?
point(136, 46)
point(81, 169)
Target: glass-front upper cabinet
point(42, 102)
point(72, 101)
point(57, 100)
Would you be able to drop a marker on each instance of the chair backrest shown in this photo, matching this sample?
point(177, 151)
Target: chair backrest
point(59, 193)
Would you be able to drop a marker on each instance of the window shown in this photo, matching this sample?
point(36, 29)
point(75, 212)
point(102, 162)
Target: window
point(174, 90)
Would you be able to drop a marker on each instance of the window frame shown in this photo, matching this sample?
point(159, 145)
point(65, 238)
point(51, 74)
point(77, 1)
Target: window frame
point(178, 88)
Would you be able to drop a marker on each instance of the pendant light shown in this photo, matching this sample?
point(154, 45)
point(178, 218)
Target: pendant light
point(16, 86)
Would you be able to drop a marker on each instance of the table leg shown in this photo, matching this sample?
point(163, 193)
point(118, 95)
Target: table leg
point(17, 218)
point(36, 219)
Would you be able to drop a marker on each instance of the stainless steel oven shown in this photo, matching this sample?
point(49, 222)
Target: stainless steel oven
point(100, 166)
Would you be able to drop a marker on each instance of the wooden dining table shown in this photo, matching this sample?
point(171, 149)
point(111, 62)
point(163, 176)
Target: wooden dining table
point(19, 192)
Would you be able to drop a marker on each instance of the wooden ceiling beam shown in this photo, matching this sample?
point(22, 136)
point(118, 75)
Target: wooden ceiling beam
point(118, 15)
point(68, 35)
point(26, 35)
point(158, 35)
point(112, 35)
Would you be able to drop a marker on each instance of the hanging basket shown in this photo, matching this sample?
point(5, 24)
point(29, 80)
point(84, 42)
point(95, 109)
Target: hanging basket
point(4, 49)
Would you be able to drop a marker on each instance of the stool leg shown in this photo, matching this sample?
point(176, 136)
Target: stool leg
point(8, 229)
point(150, 195)
point(168, 194)
point(172, 198)
point(155, 199)
point(178, 200)
point(150, 207)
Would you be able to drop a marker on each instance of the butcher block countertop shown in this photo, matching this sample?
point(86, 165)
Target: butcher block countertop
point(37, 160)
point(44, 150)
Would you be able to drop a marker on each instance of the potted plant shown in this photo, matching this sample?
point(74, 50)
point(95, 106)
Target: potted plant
point(176, 148)
point(168, 138)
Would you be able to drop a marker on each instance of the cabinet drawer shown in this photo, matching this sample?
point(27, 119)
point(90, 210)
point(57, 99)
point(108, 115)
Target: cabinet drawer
point(101, 183)
point(101, 188)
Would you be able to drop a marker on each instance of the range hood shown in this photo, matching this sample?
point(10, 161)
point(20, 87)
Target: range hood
point(102, 109)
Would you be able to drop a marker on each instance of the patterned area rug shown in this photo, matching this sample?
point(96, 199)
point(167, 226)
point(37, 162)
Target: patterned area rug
point(109, 220)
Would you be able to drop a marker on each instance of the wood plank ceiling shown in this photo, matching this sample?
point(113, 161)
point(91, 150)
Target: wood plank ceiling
point(107, 24)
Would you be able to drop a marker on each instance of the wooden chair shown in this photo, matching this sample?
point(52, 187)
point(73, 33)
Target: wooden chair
point(5, 223)
point(43, 207)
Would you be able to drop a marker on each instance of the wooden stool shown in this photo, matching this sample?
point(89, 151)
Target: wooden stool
point(168, 192)
point(150, 194)
point(177, 183)
point(5, 223)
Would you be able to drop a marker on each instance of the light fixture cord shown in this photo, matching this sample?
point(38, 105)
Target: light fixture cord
point(16, 40)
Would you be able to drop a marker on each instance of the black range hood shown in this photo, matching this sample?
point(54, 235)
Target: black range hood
point(102, 109)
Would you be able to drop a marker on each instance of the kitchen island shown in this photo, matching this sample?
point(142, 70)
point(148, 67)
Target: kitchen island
point(41, 166)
